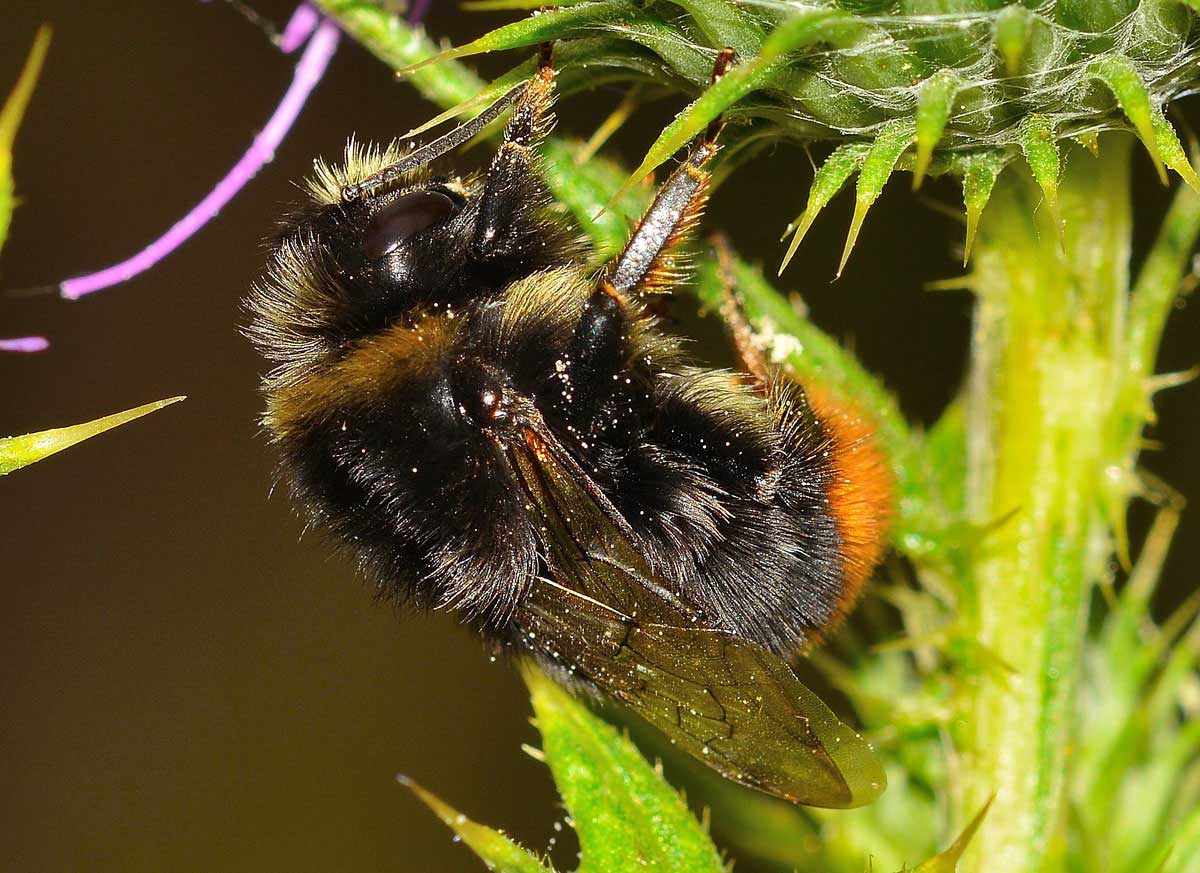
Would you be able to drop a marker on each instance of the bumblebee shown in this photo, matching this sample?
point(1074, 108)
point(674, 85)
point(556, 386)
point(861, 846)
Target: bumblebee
point(493, 430)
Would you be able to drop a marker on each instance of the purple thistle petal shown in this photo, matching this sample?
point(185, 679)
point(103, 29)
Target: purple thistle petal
point(309, 70)
point(299, 28)
point(25, 344)
point(416, 13)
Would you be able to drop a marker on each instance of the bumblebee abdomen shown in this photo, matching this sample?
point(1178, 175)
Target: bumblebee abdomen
point(859, 493)
point(770, 510)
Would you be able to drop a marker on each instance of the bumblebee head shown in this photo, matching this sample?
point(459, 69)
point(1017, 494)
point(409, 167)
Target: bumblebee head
point(342, 268)
point(393, 433)
point(406, 324)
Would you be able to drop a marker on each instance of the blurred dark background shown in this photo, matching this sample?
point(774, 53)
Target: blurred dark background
point(189, 684)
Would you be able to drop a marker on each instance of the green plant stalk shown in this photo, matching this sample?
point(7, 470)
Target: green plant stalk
point(1046, 387)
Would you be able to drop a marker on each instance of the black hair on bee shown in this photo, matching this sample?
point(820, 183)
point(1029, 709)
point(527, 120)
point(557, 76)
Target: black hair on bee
point(492, 429)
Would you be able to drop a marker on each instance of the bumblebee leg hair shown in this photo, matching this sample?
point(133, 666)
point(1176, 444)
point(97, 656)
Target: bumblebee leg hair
point(512, 178)
point(745, 346)
point(647, 265)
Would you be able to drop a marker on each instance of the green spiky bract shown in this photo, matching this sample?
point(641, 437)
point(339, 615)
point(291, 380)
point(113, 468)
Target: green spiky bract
point(1013, 678)
point(21, 451)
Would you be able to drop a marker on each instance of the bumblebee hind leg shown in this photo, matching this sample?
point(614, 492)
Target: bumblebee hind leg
point(648, 264)
point(746, 347)
point(857, 482)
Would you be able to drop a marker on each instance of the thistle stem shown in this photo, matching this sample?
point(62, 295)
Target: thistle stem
point(1047, 390)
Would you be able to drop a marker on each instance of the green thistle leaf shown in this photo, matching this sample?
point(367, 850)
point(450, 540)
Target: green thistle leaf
point(496, 850)
point(585, 188)
point(833, 174)
point(623, 811)
point(1011, 32)
point(1122, 78)
point(21, 451)
point(1171, 149)
point(566, 22)
point(10, 120)
point(1041, 153)
point(622, 808)
point(725, 23)
point(947, 861)
point(978, 181)
point(880, 163)
point(935, 99)
point(804, 29)
point(500, 5)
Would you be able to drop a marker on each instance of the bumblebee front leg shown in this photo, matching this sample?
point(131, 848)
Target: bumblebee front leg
point(532, 99)
point(513, 188)
point(647, 265)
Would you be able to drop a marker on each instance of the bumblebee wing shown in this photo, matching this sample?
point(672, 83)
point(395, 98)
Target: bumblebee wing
point(606, 617)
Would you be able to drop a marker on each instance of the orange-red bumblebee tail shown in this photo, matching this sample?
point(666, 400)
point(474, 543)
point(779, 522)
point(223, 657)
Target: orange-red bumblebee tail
point(862, 490)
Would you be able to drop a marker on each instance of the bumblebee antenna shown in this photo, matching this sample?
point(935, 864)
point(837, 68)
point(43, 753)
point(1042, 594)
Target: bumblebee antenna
point(33, 291)
point(299, 27)
point(434, 150)
point(260, 21)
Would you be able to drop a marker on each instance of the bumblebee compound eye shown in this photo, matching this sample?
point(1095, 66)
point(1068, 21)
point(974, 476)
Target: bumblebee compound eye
point(480, 396)
point(404, 217)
